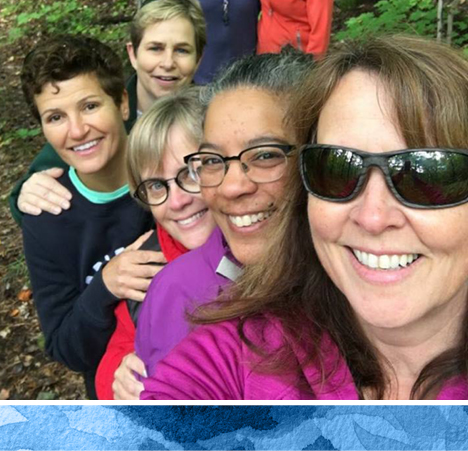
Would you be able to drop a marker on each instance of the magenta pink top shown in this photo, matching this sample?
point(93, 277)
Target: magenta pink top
point(213, 363)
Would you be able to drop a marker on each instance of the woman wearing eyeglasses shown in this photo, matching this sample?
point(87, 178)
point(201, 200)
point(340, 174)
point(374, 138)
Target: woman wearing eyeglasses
point(241, 168)
point(160, 181)
point(363, 294)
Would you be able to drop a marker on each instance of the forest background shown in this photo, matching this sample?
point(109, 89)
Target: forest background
point(26, 372)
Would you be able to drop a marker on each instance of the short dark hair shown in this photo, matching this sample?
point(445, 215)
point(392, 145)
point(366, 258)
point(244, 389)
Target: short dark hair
point(64, 57)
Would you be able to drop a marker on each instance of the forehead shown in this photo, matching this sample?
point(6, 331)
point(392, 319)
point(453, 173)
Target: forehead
point(179, 143)
point(177, 29)
point(242, 115)
point(58, 94)
point(360, 113)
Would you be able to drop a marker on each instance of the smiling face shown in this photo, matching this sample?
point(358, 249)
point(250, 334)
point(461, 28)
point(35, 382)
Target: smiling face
point(183, 215)
point(165, 60)
point(237, 120)
point(86, 128)
point(357, 239)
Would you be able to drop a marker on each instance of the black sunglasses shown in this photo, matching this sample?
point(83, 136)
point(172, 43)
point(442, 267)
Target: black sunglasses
point(418, 178)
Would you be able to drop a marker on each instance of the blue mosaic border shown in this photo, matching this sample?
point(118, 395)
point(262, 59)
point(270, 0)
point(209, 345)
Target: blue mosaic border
point(111, 427)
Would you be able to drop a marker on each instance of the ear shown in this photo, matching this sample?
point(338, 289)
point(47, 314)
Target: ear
point(132, 55)
point(124, 106)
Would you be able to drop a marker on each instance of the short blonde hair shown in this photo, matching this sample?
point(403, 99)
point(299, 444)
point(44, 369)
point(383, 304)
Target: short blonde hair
point(161, 10)
point(149, 136)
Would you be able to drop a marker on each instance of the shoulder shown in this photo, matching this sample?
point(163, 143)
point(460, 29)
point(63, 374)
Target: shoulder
point(193, 271)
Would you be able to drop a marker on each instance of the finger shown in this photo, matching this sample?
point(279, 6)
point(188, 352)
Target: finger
point(53, 172)
point(48, 183)
point(139, 241)
point(121, 394)
point(135, 364)
point(144, 257)
point(30, 204)
point(32, 193)
point(135, 295)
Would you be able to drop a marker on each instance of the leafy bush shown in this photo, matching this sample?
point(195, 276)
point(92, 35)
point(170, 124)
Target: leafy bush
point(72, 16)
point(402, 16)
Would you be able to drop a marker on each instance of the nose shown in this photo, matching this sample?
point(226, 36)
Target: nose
point(376, 209)
point(77, 127)
point(178, 198)
point(167, 61)
point(236, 183)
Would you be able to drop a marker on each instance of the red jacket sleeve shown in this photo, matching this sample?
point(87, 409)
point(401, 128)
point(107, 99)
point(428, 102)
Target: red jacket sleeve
point(319, 13)
point(120, 344)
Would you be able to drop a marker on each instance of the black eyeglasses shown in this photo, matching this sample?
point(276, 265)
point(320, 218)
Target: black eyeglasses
point(261, 164)
point(418, 178)
point(155, 191)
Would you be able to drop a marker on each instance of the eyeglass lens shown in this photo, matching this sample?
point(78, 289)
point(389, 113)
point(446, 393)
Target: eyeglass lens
point(420, 177)
point(260, 164)
point(156, 191)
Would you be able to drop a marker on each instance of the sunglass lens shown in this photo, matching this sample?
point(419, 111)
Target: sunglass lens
point(430, 178)
point(331, 173)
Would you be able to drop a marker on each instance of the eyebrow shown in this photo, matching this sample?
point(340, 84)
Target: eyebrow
point(266, 139)
point(177, 44)
point(80, 102)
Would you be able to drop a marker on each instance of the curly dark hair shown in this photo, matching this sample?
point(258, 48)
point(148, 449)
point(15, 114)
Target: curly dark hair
point(64, 57)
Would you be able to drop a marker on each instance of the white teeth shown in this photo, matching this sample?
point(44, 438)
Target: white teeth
point(247, 220)
point(192, 218)
point(85, 146)
point(384, 261)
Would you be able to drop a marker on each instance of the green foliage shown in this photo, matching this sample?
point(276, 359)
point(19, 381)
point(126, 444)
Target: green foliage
point(393, 16)
point(31, 19)
point(402, 16)
point(348, 5)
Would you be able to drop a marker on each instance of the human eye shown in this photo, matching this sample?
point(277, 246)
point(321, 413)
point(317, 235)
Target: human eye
point(155, 186)
point(91, 106)
point(266, 156)
point(183, 51)
point(211, 161)
point(156, 48)
point(53, 118)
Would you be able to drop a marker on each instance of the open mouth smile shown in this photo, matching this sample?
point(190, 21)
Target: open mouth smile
point(192, 219)
point(248, 220)
point(385, 261)
point(85, 146)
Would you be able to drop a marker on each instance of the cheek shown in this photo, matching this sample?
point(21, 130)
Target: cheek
point(159, 212)
point(326, 220)
point(209, 197)
point(443, 231)
point(188, 67)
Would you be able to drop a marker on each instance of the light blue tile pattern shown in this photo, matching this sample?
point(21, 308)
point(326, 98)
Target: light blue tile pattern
point(66, 427)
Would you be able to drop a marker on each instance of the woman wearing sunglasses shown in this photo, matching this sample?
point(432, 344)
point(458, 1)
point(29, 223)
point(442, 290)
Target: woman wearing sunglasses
point(160, 181)
point(363, 294)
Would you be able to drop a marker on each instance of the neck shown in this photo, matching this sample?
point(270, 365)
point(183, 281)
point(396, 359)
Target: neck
point(408, 349)
point(110, 178)
point(145, 100)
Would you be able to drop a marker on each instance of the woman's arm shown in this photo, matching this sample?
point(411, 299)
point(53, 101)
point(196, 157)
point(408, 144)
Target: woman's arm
point(46, 159)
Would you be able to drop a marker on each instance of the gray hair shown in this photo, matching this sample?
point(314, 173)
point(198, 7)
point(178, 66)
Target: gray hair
point(278, 74)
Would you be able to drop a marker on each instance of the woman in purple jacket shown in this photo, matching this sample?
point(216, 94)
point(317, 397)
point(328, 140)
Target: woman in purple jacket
point(363, 293)
point(244, 137)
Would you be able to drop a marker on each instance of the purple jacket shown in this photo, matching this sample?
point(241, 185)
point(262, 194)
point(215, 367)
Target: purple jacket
point(212, 363)
point(190, 280)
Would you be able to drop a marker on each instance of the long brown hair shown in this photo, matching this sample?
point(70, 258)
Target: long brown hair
point(428, 83)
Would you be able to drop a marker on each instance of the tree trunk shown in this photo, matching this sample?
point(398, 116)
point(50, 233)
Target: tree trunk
point(440, 9)
point(451, 11)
